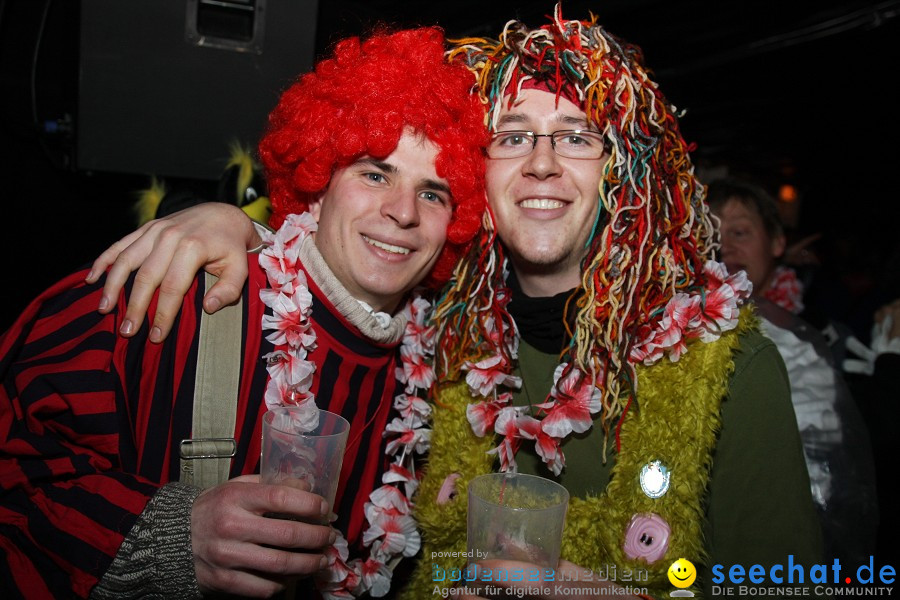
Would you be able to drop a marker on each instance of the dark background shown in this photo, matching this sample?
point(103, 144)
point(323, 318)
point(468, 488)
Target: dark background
point(798, 93)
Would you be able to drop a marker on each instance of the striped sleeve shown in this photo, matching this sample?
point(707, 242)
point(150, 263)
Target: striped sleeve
point(66, 406)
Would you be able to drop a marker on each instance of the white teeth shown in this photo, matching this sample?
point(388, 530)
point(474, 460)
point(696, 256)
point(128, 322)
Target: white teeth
point(386, 247)
point(542, 203)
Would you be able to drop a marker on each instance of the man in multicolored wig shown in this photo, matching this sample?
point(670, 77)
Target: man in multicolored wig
point(370, 172)
point(589, 336)
point(614, 355)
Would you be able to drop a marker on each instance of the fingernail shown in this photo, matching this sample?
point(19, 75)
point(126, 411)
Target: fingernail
point(323, 510)
point(323, 562)
point(213, 304)
point(332, 538)
point(155, 334)
point(104, 303)
point(126, 327)
point(90, 275)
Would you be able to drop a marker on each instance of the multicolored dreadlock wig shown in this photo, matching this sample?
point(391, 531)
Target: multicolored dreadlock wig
point(358, 102)
point(654, 235)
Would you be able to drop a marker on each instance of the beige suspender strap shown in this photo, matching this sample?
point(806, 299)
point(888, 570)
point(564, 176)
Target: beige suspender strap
point(206, 457)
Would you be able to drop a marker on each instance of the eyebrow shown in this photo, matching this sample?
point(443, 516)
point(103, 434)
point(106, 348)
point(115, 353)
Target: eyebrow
point(378, 164)
point(578, 122)
point(437, 185)
point(389, 168)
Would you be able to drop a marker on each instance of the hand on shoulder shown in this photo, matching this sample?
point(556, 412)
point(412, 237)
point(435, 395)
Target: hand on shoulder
point(167, 253)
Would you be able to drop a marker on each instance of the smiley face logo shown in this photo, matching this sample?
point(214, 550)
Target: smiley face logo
point(682, 573)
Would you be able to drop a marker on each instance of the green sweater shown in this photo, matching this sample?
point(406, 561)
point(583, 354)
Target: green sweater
point(759, 508)
point(755, 509)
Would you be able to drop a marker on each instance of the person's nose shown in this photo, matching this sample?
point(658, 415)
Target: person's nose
point(727, 242)
point(402, 207)
point(543, 162)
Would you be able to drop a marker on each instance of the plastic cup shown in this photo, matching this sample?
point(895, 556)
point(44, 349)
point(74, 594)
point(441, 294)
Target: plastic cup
point(516, 517)
point(291, 448)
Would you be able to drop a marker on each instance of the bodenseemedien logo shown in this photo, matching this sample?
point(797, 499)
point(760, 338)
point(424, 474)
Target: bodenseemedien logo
point(682, 574)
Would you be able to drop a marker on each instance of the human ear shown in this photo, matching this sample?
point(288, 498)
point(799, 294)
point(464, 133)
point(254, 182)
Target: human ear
point(778, 245)
point(315, 206)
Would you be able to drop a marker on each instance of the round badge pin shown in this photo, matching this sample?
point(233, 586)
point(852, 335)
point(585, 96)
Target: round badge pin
point(655, 479)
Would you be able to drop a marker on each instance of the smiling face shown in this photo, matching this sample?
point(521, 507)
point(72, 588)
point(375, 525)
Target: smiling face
point(746, 244)
point(682, 573)
point(545, 205)
point(383, 223)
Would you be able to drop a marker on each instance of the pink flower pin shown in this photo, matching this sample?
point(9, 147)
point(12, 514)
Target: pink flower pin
point(448, 489)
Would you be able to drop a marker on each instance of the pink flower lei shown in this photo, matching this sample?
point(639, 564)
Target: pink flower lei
point(574, 398)
point(391, 530)
point(785, 290)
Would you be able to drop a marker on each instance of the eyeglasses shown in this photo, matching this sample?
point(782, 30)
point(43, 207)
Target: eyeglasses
point(570, 143)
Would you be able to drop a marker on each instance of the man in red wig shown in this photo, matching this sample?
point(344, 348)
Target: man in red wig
point(589, 336)
point(382, 180)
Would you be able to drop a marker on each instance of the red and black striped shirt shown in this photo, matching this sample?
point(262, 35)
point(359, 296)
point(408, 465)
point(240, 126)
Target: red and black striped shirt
point(90, 424)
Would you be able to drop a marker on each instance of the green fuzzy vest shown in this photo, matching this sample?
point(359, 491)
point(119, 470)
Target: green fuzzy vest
point(677, 423)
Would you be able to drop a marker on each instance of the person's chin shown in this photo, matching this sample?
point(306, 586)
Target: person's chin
point(733, 268)
point(542, 259)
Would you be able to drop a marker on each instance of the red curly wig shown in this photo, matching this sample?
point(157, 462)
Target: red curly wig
point(358, 102)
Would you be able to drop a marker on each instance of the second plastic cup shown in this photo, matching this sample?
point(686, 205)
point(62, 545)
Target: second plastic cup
point(291, 449)
point(516, 517)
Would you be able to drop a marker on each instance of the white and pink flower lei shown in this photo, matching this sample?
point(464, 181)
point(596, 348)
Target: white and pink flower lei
point(574, 398)
point(785, 290)
point(391, 529)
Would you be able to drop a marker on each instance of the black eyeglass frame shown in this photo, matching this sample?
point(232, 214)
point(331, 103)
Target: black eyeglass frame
point(554, 138)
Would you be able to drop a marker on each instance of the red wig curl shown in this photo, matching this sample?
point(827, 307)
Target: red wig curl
point(358, 102)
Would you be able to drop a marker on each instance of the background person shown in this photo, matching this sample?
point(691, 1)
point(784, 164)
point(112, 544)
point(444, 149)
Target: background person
point(872, 375)
point(835, 438)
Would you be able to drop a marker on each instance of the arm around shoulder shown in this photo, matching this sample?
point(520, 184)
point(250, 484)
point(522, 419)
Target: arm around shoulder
point(167, 253)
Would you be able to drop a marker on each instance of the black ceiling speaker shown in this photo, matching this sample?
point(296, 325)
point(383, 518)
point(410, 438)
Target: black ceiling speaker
point(166, 86)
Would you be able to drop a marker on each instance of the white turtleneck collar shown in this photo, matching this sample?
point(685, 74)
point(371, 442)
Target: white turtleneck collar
point(379, 327)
